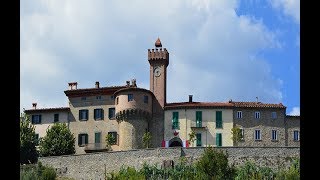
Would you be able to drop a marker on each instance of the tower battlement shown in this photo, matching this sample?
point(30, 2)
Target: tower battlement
point(154, 54)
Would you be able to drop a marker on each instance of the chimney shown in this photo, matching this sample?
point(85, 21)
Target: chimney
point(34, 105)
point(133, 81)
point(128, 83)
point(73, 85)
point(190, 98)
point(97, 84)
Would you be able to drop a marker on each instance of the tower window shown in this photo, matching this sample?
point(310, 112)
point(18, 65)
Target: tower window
point(239, 114)
point(257, 115)
point(145, 99)
point(130, 97)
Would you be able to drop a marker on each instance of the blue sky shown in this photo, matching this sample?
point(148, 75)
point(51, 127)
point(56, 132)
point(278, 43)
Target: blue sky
point(219, 50)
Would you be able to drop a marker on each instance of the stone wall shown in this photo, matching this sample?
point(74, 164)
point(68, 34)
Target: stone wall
point(95, 165)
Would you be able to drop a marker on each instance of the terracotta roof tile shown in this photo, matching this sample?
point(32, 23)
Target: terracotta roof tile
point(47, 109)
point(198, 105)
point(257, 105)
point(92, 91)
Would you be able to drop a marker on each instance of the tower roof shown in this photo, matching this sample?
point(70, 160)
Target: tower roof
point(158, 43)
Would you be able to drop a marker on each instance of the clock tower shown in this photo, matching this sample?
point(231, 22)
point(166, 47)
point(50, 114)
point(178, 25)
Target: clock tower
point(159, 60)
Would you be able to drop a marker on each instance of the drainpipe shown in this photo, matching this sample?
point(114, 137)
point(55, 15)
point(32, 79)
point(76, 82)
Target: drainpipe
point(206, 136)
point(185, 115)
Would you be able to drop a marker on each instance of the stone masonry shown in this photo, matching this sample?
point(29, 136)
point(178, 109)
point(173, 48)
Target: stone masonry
point(96, 165)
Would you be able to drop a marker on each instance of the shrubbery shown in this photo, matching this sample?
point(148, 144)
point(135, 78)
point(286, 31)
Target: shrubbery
point(37, 172)
point(213, 164)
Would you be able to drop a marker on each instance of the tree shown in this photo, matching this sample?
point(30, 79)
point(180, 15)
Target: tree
point(213, 164)
point(110, 140)
point(192, 137)
point(146, 139)
point(28, 141)
point(58, 141)
point(236, 135)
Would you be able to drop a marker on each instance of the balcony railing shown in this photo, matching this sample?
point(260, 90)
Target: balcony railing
point(95, 147)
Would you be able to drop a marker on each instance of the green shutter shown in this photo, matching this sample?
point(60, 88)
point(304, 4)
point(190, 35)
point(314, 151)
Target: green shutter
point(79, 114)
point(86, 139)
point(97, 137)
point(198, 136)
point(79, 139)
point(102, 114)
point(219, 139)
point(218, 119)
point(198, 118)
point(87, 114)
point(175, 120)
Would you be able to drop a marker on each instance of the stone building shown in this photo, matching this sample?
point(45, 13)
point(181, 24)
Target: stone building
point(126, 112)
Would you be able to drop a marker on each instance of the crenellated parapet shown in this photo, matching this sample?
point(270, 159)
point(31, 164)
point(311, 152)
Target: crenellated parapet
point(132, 114)
point(158, 54)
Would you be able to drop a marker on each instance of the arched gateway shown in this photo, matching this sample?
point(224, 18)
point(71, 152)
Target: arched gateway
point(175, 142)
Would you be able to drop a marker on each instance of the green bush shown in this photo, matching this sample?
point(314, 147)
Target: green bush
point(29, 174)
point(48, 174)
point(293, 173)
point(37, 172)
point(214, 164)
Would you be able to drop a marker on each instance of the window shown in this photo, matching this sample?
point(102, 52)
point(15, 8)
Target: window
point(219, 139)
point(82, 139)
point(117, 100)
point(257, 115)
point(274, 115)
point(112, 97)
point(37, 139)
point(130, 97)
point(36, 119)
point(145, 99)
point(112, 112)
point(198, 118)
point(98, 114)
point(274, 136)
point(198, 136)
point(114, 137)
point(83, 114)
point(296, 135)
point(218, 119)
point(257, 135)
point(239, 114)
point(242, 133)
point(56, 118)
point(175, 120)
point(98, 97)
point(97, 137)
point(83, 98)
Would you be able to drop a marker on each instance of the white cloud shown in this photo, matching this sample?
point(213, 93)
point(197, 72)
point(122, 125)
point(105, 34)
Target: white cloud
point(289, 7)
point(295, 111)
point(213, 51)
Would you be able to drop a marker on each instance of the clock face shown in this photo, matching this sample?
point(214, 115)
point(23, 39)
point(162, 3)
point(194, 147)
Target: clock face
point(157, 71)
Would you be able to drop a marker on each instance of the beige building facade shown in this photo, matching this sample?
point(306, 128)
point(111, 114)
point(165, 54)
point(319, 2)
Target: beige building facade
point(43, 118)
point(127, 112)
